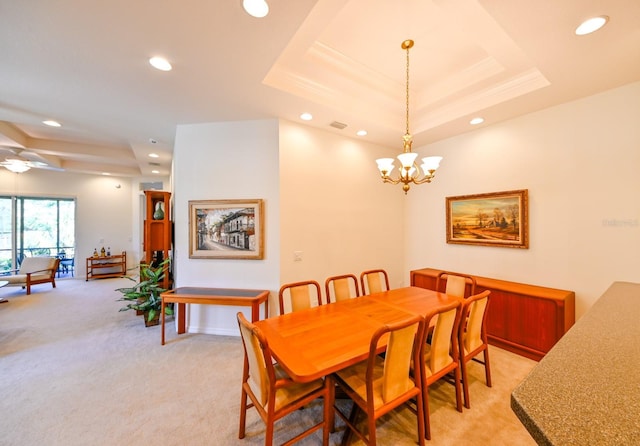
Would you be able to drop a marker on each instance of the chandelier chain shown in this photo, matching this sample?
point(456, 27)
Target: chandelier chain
point(407, 92)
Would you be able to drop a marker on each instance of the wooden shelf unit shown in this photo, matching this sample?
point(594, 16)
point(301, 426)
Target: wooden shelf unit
point(109, 266)
point(525, 319)
point(157, 233)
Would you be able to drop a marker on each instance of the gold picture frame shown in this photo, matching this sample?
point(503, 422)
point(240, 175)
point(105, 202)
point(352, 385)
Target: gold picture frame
point(498, 219)
point(226, 229)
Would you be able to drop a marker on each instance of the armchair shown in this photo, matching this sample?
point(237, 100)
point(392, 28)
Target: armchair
point(33, 270)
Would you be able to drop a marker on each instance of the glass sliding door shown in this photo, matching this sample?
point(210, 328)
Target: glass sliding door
point(35, 226)
point(6, 234)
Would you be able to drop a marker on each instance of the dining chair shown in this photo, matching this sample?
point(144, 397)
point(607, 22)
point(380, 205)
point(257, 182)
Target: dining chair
point(379, 384)
point(374, 281)
point(456, 284)
point(344, 287)
point(472, 338)
point(268, 388)
point(300, 295)
point(440, 356)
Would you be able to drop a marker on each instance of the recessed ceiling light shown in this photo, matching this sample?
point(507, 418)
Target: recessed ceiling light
point(476, 121)
point(106, 173)
point(52, 123)
point(160, 63)
point(591, 25)
point(361, 133)
point(306, 116)
point(154, 155)
point(256, 8)
point(155, 171)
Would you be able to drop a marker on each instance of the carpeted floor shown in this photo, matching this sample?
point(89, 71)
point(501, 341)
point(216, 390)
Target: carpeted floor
point(75, 371)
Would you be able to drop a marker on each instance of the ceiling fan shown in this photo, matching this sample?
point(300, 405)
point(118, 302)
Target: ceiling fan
point(19, 160)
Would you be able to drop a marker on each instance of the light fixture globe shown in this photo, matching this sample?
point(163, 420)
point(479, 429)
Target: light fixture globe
point(409, 171)
point(16, 166)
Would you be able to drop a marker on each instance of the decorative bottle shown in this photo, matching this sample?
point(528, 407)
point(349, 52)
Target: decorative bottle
point(103, 253)
point(159, 212)
point(109, 251)
point(95, 252)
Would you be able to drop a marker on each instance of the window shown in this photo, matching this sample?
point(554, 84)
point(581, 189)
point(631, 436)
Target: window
point(35, 226)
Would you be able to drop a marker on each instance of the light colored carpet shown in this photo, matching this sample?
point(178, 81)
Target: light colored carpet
point(75, 371)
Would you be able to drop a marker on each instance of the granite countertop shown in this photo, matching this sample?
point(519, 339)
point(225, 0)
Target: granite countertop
point(586, 390)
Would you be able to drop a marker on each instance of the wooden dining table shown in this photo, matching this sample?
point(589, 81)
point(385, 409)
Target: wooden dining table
point(318, 341)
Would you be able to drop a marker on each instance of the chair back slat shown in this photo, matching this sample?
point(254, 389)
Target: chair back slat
point(456, 284)
point(341, 287)
point(374, 281)
point(473, 339)
point(300, 298)
point(397, 364)
point(442, 340)
point(258, 366)
point(300, 295)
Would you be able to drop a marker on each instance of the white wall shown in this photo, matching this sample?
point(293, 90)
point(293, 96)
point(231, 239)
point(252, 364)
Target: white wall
point(103, 211)
point(323, 197)
point(228, 160)
point(580, 163)
point(335, 209)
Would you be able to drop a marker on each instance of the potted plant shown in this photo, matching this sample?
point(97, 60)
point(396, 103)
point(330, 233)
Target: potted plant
point(144, 296)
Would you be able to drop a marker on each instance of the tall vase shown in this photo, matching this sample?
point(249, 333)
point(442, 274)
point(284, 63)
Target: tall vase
point(159, 212)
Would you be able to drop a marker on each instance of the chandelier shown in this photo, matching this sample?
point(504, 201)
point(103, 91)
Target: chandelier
point(409, 171)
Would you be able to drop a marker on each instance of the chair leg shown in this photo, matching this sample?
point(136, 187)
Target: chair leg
point(425, 409)
point(487, 367)
point(268, 437)
point(328, 420)
point(420, 415)
point(458, 385)
point(371, 422)
point(465, 383)
point(243, 414)
point(353, 418)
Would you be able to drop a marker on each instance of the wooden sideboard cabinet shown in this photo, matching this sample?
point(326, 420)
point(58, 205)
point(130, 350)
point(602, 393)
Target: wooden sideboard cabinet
point(110, 266)
point(525, 319)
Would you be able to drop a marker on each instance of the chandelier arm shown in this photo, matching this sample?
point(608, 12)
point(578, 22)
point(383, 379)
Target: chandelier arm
point(391, 180)
point(426, 179)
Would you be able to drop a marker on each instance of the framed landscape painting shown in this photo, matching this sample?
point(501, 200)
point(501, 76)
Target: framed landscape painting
point(226, 229)
point(492, 219)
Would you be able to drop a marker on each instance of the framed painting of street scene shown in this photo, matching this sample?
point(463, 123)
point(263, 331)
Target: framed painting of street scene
point(493, 219)
point(226, 229)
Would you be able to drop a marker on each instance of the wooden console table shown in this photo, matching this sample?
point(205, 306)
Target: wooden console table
point(214, 296)
point(109, 266)
point(525, 319)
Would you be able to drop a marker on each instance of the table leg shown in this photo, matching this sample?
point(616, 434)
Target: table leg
point(255, 312)
point(181, 317)
point(162, 318)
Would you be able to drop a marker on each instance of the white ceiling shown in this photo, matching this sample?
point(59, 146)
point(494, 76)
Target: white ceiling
point(85, 65)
